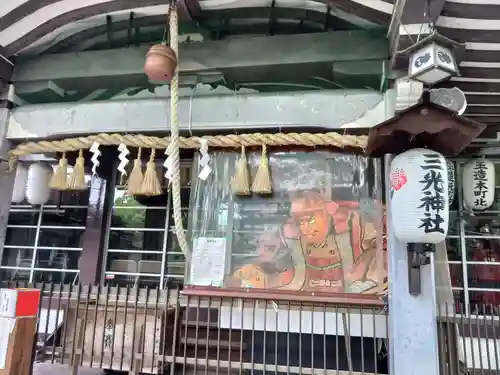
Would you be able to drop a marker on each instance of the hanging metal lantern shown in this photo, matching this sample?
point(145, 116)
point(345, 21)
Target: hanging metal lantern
point(432, 59)
point(419, 197)
point(479, 184)
point(37, 189)
point(161, 63)
point(451, 181)
point(19, 188)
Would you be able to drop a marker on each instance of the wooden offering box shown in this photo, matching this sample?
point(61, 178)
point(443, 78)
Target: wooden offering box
point(114, 337)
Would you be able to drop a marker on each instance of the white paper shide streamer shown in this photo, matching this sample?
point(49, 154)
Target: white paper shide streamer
point(94, 149)
point(419, 196)
point(168, 163)
point(123, 157)
point(204, 160)
point(479, 184)
point(20, 182)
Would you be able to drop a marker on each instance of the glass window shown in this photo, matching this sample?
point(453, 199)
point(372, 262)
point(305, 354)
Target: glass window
point(142, 247)
point(43, 244)
point(319, 231)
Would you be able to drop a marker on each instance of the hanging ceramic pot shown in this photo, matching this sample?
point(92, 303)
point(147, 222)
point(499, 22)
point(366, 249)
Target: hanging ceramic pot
point(161, 63)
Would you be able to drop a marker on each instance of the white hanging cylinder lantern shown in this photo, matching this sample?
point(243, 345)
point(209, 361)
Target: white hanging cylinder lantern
point(451, 181)
point(479, 184)
point(432, 60)
point(20, 182)
point(37, 189)
point(419, 197)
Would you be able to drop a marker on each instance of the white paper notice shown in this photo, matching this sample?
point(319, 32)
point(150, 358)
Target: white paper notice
point(208, 262)
point(8, 300)
point(6, 327)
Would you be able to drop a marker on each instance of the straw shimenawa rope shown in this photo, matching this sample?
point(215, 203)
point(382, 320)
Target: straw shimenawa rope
point(231, 141)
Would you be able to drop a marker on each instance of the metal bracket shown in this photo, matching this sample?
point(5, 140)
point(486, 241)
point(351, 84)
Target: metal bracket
point(417, 257)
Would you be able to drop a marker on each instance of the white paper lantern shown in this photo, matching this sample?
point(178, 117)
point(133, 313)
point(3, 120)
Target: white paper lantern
point(479, 184)
point(20, 181)
point(419, 197)
point(37, 189)
point(451, 181)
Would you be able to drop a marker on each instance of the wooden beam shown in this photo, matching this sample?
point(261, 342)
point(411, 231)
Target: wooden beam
point(71, 42)
point(361, 10)
point(6, 179)
point(80, 69)
point(489, 120)
point(483, 110)
point(65, 16)
point(479, 86)
point(477, 98)
point(6, 67)
point(329, 109)
point(190, 8)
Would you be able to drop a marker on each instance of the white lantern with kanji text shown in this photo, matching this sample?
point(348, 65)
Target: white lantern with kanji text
point(20, 181)
point(37, 189)
point(419, 196)
point(451, 181)
point(479, 184)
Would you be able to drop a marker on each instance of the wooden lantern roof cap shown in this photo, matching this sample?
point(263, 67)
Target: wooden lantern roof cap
point(425, 124)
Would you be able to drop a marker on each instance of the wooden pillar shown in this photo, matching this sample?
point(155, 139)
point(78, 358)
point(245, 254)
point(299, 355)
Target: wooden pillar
point(6, 179)
point(413, 341)
point(100, 203)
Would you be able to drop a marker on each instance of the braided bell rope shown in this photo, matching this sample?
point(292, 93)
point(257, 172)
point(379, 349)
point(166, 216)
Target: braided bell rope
point(174, 132)
point(231, 141)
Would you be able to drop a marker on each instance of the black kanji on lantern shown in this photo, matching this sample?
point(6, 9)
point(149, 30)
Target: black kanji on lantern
point(480, 187)
point(433, 199)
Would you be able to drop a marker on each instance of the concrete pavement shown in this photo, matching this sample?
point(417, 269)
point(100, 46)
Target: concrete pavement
point(49, 369)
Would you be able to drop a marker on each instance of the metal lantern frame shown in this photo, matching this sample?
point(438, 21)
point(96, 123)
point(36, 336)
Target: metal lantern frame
point(433, 53)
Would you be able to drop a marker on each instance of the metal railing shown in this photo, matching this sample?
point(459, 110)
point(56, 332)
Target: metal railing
point(157, 331)
point(469, 344)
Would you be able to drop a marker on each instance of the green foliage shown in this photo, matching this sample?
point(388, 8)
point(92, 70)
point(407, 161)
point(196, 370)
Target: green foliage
point(131, 218)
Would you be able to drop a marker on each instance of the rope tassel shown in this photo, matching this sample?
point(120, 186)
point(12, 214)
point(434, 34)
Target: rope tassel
point(77, 178)
point(262, 181)
point(151, 186)
point(59, 180)
point(134, 184)
point(241, 180)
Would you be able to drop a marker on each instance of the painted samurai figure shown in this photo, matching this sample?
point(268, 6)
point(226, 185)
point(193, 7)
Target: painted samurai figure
point(332, 249)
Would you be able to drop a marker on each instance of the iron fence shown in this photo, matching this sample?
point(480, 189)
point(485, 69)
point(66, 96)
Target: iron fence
point(143, 330)
point(469, 344)
point(153, 331)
